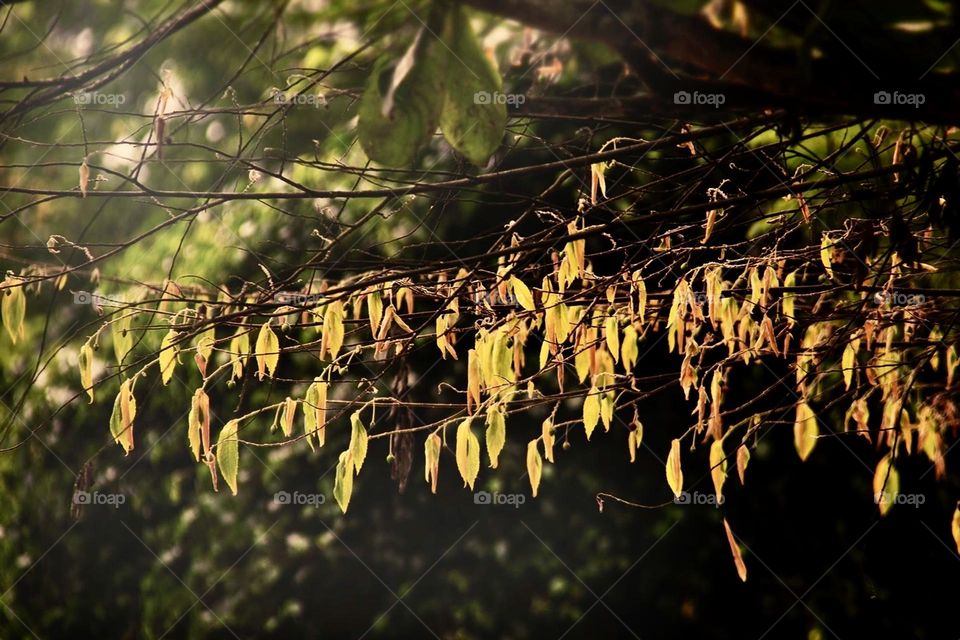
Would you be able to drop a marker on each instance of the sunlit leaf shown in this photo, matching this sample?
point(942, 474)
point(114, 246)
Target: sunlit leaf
point(496, 435)
point(228, 454)
point(806, 430)
point(674, 470)
point(358, 441)
point(591, 411)
point(886, 484)
point(13, 308)
point(735, 551)
point(268, 351)
point(468, 454)
point(168, 356)
point(534, 466)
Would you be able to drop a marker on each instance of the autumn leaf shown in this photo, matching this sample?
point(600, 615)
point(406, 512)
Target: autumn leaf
point(343, 481)
point(358, 441)
point(674, 470)
point(806, 430)
point(591, 411)
point(534, 466)
point(886, 484)
point(268, 351)
point(735, 551)
point(496, 435)
point(168, 356)
point(13, 308)
point(468, 454)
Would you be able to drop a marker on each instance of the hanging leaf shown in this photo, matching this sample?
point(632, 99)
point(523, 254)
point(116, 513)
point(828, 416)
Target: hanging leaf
point(468, 454)
point(333, 329)
point(886, 484)
point(431, 468)
point(358, 441)
point(718, 468)
point(121, 420)
point(743, 458)
point(548, 439)
point(13, 308)
point(85, 360)
point(400, 107)
point(228, 454)
point(955, 527)
point(591, 411)
point(343, 481)
point(198, 424)
point(122, 337)
point(534, 466)
point(168, 356)
point(374, 310)
point(289, 413)
point(805, 430)
point(735, 551)
point(84, 178)
point(474, 117)
point(522, 292)
point(848, 361)
point(315, 412)
point(611, 331)
point(628, 350)
point(598, 180)
point(239, 352)
point(674, 470)
point(268, 351)
point(496, 434)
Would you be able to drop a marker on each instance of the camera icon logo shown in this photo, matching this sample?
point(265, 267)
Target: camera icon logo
point(482, 497)
point(683, 498)
point(281, 497)
point(682, 97)
point(482, 97)
point(81, 497)
point(82, 297)
point(882, 97)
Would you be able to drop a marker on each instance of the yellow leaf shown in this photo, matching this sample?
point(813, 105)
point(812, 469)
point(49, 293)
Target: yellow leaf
point(955, 528)
point(634, 439)
point(121, 420)
point(611, 331)
point(806, 430)
point(743, 458)
point(168, 356)
point(358, 441)
point(629, 350)
point(718, 468)
point(268, 351)
point(13, 309)
point(591, 411)
point(826, 254)
point(122, 337)
point(239, 351)
point(607, 406)
point(496, 435)
point(597, 179)
point(789, 306)
point(468, 454)
point(674, 470)
point(289, 413)
point(548, 439)
point(374, 310)
point(228, 454)
point(886, 484)
point(848, 361)
point(315, 412)
point(522, 292)
point(333, 328)
point(431, 450)
point(735, 550)
point(534, 466)
point(86, 368)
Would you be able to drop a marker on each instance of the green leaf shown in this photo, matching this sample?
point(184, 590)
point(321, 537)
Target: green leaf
point(343, 482)
point(358, 441)
point(400, 107)
point(496, 434)
point(473, 119)
point(228, 454)
point(122, 338)
point(13, 308)
point(886, 484)
point(86, 368)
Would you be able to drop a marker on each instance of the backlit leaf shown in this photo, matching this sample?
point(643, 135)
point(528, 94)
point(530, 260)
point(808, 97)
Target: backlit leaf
point(496, 435)
point(674, 470)
point(806, 430)
point(468, 454)
point(534, 466)
point(268, 351)
point(735, 551)
point(228, 454)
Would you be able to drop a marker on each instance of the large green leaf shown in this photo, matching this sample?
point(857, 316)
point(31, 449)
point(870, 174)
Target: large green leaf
point(473, 118)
